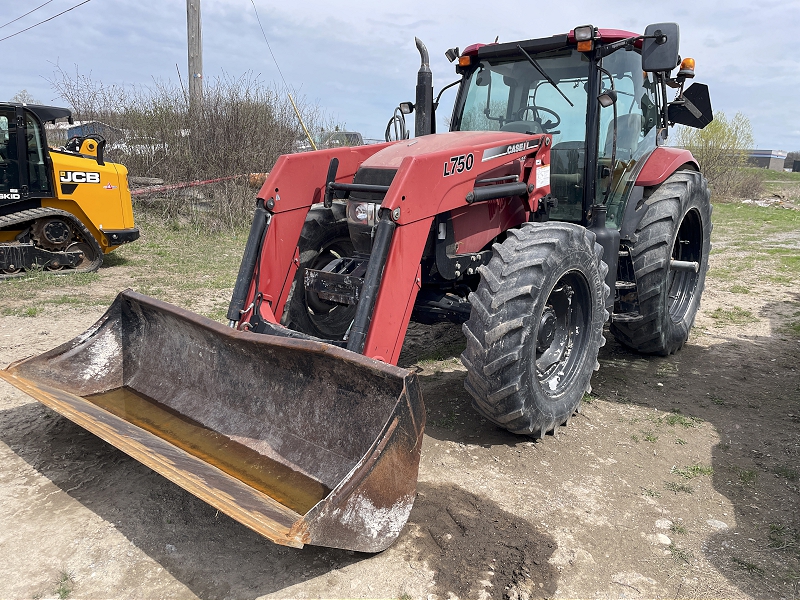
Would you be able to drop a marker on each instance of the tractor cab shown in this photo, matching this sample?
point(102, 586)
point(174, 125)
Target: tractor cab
point(544, 87)
point(600, 93)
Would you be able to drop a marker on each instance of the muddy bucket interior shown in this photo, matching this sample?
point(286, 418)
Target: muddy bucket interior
point(299, 440)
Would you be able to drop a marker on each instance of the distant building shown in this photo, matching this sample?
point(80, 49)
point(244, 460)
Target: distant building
point(767, 159)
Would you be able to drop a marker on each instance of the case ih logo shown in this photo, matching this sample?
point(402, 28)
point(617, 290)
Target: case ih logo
point(509, 149)
point(9, 196)
point(79, 177)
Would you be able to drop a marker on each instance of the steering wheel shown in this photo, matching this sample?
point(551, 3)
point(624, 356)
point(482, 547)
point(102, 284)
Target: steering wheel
point(520, 115)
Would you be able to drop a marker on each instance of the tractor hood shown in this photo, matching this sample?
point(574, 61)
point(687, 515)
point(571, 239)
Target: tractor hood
point(457, 142)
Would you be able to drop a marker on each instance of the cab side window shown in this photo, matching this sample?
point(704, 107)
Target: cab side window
point(9, 164)
point(38, 183)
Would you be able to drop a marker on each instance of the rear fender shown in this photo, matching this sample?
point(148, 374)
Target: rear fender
point(662, 163)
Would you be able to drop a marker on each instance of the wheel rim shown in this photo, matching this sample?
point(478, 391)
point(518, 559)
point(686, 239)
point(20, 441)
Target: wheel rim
point(331, 317)
point(688, 247)
point(563, 334)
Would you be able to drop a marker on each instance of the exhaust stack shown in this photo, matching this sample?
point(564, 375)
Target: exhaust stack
point(424, 123)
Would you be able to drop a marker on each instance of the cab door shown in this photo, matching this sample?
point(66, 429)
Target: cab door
point(11, 183)
point(36, 169)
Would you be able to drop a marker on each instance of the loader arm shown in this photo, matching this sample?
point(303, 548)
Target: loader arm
point(434, 174)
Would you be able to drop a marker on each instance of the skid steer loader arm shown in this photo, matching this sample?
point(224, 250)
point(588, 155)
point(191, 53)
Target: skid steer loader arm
point(301, 441)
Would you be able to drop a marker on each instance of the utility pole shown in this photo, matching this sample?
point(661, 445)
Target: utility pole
point(195, 40)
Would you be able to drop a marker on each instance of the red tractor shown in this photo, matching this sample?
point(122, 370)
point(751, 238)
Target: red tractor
point(550, 207)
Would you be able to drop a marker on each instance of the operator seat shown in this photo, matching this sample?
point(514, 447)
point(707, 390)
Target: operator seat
point(629, 132)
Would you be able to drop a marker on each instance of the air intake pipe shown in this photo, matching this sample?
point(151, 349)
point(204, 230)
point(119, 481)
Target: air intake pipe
point(423, 108)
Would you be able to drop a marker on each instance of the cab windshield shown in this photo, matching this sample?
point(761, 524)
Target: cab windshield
point(512, 95)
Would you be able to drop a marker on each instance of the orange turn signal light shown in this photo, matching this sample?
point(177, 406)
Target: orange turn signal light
point(464, 61)
point(585, 46)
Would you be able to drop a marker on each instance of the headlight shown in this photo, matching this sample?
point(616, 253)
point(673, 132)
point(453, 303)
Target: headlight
point(362, 213)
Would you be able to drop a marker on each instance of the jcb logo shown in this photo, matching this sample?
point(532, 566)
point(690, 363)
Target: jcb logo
point(79, 177)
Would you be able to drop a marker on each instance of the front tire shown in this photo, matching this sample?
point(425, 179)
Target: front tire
point(536, 327)
point(677, 225)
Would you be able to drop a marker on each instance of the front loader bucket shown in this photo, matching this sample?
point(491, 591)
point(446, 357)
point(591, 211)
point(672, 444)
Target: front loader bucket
point(299, 440)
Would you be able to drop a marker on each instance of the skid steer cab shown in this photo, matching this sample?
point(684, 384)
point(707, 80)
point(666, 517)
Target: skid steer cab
point(551, 207)
point(60, 209)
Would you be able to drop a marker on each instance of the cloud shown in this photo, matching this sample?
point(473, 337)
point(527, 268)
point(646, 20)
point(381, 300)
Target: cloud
point(358, 59)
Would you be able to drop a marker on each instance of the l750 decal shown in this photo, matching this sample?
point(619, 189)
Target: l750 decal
point(459, 164)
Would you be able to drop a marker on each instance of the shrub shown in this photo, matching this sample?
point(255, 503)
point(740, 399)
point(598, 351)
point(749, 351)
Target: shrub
point(241, 126)
point(721, 149)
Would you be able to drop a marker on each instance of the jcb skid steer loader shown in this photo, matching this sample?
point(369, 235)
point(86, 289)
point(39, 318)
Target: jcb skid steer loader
point(60, 209)
point(553, 188)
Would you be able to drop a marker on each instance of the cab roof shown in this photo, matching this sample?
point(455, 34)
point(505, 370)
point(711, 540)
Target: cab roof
point(43, 113)
point(544, 44)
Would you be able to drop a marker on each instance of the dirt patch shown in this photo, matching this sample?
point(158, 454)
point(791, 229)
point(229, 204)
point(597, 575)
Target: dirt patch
point(679, 478)
point(477, 550)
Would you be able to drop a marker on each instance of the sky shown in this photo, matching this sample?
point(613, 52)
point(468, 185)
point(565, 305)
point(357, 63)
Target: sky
point(357, 59)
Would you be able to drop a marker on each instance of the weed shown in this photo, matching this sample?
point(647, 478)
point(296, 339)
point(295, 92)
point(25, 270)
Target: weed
point(748, 476)
point(782, 537)
point(677, 528)
point(678, 487)
point(405, 596)
point(448, 421)
point(650, 437)
point(786, 473)
point(692, 471)
point(718, 401)
point(739, 289)
point(678, 419)
point(681, 554)
point(587, 399)
point(635, 438)
point(29, 311)
point(64, 584)
point(744, 565)
point(651, 493)
point(724, 446)
point(734, 315)
point(666, 370)
point(680, 442)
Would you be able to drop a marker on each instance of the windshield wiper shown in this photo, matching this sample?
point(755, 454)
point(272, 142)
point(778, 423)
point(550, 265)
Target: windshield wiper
point(545, 75)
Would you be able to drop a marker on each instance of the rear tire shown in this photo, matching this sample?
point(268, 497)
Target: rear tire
point(677, 225)
point(536, 327)
point(324, 238)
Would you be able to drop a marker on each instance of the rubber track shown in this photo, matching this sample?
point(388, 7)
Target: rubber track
point(501, 329)
point(651, 251)
point(33, 214)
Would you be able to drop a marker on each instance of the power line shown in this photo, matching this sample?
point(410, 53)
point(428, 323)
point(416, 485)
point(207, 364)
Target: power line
point(45, 21)
point(26, 14)
point(268, 46)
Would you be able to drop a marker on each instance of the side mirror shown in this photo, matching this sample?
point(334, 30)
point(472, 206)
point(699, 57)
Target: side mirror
point(692, 108)
point(406, 108)
point(660, 47)
point(482, 78)
point(452, 54)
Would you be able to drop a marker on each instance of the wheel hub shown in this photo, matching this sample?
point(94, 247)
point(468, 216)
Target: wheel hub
point(53, 234)
point(547, 329)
